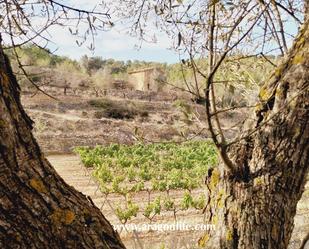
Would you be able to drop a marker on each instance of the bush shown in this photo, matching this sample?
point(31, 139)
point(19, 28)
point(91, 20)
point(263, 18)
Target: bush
point(120, 112)
point(100, 103)
point(116, 109)
point(98, 114)
point(102, 79)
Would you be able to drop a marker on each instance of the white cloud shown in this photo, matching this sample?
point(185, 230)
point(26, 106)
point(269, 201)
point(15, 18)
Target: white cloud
point(114, 44)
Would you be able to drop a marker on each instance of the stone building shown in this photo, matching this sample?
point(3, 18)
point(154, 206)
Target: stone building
point(147, 79)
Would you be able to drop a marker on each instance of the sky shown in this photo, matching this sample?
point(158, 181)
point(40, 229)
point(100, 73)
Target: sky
point(113, 44)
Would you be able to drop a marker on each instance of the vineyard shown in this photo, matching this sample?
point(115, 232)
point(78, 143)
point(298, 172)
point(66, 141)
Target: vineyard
point(170, 174)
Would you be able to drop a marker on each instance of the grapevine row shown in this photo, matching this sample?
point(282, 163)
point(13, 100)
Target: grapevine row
point(156, 169)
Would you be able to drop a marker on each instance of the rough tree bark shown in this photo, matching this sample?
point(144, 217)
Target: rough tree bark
point(255, 207)
point(37, 208)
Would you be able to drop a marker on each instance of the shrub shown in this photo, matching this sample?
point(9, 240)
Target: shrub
point(98, 114)
point(120, 112)
point(116, 109)
point(100, 103)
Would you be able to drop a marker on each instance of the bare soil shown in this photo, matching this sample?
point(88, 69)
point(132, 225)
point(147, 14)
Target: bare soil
point(72, 171)
point(70, 121)
point(70, 168)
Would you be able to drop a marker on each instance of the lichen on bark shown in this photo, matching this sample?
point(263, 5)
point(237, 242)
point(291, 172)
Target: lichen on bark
point(259, 201)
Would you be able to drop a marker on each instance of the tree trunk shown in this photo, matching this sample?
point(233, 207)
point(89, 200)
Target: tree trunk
point(37, 208)
point(255, 207)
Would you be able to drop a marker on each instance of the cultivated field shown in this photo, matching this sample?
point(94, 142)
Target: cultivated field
point(88, 120)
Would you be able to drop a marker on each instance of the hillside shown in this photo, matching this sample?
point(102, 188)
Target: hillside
point(76, 120)
point(89, 110)
point(127, 117)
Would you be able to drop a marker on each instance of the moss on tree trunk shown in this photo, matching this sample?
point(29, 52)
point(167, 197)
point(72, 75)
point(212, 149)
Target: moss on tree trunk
point(255, 207)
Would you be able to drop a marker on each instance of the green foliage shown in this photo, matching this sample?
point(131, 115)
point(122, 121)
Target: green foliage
point(91, 64)
point(163, 167)
point(43, 67)
point(187, 201)
point(69, 66)
point(166, 166)
point(168, 204)
point(200, 202)
point(250, 70)
point(153, 208)
point(125, 214)
point(33, 55)
point(237, 80)
point(89, 157)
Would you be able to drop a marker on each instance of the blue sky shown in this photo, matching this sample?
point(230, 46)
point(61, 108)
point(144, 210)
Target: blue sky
point(113, 44)
point(116, 43)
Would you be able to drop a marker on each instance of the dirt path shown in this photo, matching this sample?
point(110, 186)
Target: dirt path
point(65, 116)
point(71, 170)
